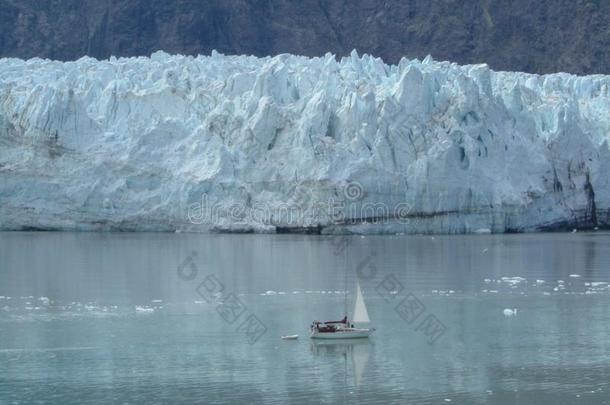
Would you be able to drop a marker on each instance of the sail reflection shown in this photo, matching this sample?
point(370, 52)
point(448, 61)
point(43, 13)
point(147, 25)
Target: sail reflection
point(356, 353)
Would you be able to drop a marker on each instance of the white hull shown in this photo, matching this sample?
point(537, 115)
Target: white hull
point(343, 334)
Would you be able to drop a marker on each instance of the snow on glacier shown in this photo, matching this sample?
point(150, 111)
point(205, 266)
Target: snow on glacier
point(139, 143)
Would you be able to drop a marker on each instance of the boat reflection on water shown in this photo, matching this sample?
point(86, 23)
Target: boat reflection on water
point(355, 352)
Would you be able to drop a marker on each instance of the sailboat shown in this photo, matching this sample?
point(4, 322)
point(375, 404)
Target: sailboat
point(344, 329)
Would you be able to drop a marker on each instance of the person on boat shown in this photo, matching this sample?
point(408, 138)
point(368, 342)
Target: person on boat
point(343, 321)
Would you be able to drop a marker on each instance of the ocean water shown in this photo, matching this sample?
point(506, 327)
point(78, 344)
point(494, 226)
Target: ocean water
point(190, 318)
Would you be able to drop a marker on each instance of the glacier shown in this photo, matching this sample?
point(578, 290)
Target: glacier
point(291, 143)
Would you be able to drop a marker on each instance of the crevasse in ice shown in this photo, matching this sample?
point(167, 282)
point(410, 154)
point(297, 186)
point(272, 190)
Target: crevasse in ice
point(246, 143)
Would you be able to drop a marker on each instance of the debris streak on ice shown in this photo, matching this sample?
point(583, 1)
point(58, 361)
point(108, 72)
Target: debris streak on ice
point(140, 143)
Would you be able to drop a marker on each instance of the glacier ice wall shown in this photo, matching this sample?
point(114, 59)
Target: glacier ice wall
point(183, 143)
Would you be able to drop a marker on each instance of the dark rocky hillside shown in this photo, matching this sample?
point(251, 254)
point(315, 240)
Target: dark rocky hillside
point(534, 36)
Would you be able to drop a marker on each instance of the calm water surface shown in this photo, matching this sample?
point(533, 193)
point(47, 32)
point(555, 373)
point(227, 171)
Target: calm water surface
point(125, 318)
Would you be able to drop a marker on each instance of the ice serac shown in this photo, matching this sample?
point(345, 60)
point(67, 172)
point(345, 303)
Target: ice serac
point(291, 143)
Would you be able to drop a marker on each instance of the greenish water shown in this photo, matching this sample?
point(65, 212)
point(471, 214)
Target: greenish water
point(125, 318)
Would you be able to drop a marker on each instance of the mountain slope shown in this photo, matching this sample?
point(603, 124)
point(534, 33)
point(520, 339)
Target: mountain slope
point(520, 35)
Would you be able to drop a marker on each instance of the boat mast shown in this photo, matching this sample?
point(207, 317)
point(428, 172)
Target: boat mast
point(346, 271)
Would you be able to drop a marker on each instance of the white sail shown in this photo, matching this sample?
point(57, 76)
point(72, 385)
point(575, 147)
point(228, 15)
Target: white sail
point(361, 315)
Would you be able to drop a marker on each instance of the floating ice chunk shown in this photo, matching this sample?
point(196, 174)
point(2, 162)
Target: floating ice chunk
point(144, 309)
point(574, 276)
point(510, 312)
point(599, 284)
point(513, 281)
point(482, 231)
point(45, 301)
